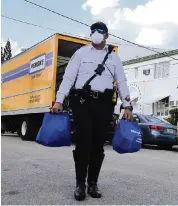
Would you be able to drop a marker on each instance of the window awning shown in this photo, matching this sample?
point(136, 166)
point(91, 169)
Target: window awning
point(134, 93)
point(152, 99)
point(134, 96)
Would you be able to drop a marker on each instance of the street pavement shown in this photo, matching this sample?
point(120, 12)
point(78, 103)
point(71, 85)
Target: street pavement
point(36, 175)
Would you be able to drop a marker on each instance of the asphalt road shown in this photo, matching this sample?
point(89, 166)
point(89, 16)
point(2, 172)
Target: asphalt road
point(35, 175)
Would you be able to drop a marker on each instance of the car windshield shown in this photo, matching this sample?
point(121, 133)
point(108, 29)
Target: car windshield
point(154, 119)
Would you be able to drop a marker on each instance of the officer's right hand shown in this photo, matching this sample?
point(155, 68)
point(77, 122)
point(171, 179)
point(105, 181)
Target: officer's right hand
point(128, 114)
point(56, 107)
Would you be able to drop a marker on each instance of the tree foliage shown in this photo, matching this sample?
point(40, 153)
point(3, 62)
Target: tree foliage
point(7, 51)
point(173, 119)
point(2, 55)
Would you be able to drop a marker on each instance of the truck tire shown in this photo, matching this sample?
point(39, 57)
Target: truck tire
point(28, 129)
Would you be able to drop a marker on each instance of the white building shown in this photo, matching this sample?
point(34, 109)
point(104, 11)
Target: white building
point(153, 83)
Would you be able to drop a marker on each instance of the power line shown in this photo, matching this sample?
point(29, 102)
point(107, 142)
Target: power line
point(28, 23)
point(148, 48)
point(80, 22)
point(57, 13)
point(36, 25)
point(39, 26)
point(24, 22)
point(71, 19)
point(31, 24)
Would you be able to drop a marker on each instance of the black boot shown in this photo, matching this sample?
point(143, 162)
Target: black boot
point(93, 174)
point(93, 190)
point(79, 192)
point(75, 163)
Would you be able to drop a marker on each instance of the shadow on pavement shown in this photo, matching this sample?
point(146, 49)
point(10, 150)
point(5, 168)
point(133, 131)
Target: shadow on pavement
point(9, 135)
point(155, 147)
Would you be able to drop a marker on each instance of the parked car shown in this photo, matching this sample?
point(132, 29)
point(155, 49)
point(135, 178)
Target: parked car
point(156, 131)
point(153, 129)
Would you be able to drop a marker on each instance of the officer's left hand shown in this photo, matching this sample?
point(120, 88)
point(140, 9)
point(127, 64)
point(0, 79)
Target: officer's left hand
point(128, 114)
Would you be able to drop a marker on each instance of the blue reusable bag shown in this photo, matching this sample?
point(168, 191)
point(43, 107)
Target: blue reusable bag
point(127, 137)
point(55, 130)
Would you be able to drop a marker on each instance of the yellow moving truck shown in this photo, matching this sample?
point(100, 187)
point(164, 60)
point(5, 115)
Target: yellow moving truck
point(30, 80)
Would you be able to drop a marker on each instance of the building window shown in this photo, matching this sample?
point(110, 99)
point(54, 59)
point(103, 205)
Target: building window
point(166, 112)
point(161, 108)
point(158, 114)
point(136, 72)
point(161, 69)
point(173, 103)
point(146, 71)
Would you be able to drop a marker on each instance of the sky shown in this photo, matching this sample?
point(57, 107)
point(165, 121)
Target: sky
point(152, 23)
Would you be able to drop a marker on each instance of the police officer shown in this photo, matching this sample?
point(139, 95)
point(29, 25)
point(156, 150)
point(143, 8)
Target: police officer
point(92, 107)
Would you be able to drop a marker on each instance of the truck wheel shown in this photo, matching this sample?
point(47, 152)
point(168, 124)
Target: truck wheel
point(28, 130)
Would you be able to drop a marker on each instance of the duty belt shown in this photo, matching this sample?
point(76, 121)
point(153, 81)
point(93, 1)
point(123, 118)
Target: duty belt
point(92, 94)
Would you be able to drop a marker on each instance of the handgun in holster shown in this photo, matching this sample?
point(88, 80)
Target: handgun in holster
point(115, 93)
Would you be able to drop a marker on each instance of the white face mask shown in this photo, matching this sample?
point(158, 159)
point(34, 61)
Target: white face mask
point(97, 38)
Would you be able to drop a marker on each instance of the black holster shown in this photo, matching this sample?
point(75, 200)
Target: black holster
point(81, 93)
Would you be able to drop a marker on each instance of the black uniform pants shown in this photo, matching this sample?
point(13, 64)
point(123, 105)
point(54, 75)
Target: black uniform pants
point(92, 120)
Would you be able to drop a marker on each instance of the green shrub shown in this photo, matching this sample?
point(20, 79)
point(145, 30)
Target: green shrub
point(173, 119)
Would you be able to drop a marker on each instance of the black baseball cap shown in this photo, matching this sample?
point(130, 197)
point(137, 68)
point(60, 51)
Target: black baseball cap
point(99, 25)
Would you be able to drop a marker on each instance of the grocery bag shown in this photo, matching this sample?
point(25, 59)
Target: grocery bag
point(127, 137)
point(55, 130)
